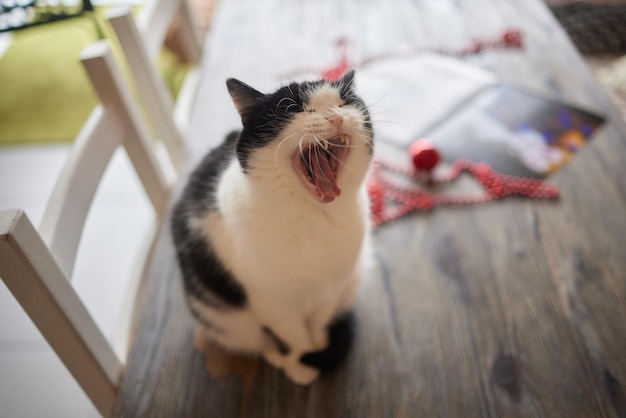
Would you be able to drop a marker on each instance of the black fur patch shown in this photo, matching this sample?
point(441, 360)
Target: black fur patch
point(341, 333)
point(268, 118)
point(202, 270)
point(199, 193)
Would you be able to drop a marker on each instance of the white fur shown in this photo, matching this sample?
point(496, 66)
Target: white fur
point(296, 257)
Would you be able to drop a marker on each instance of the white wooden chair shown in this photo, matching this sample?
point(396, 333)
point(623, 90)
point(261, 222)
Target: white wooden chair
point(37, 264)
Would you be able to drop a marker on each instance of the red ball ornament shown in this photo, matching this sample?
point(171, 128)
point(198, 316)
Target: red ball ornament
point(424, 155)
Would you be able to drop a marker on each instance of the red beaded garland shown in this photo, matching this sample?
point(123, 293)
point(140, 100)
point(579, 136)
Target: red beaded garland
point(405, 200)
point(510, 39)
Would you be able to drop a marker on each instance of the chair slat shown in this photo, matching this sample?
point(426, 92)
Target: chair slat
point(113, 91)
point(69, 203)
point(185, 101)
point(39, 285)
point(154, 22)
point(190, 36)
point(152, 88)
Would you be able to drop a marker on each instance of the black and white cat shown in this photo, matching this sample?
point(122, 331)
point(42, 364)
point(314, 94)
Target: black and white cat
point(270, 228)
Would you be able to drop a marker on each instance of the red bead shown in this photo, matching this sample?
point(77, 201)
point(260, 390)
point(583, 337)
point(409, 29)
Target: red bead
point(426, 202)
point(424, 155)
point(377, 199)
point(513, 39)
point(476, 47)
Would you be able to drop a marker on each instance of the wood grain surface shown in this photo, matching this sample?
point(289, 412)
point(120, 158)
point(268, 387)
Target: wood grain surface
point(515, 308)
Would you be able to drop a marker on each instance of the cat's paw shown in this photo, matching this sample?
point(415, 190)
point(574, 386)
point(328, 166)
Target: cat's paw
point(301, 374)
point(320, 340)
point(273, 357)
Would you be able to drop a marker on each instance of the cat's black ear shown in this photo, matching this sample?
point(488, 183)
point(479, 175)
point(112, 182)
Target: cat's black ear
point(244, 97)
point(347, 79)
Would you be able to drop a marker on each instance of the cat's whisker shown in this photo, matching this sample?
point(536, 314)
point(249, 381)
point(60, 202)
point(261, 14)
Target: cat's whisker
point(288, 107)
point(374, 115)
point(341, 162)
point(321, 141)
point(388, 122)
point(283, 99)
point(317, 139)
point(293, 95)
point(300, 143)
point(309, 161)
point(282, 142)
point(319, 164)
point(375, 102)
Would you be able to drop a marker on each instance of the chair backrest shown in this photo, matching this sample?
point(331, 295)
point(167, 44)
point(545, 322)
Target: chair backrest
point(141, 41)
point(37, 264)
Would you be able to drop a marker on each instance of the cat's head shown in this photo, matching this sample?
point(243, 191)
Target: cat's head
point(313, 136)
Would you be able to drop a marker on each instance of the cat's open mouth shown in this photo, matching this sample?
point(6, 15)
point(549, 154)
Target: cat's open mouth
point(318, 165)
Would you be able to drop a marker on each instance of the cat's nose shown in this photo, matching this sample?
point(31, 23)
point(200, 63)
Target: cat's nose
point(335, 119)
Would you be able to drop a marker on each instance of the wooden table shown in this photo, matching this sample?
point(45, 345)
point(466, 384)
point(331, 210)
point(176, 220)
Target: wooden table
point(512, 308)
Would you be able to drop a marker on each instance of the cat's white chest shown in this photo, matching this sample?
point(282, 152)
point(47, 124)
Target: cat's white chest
point(284, 240)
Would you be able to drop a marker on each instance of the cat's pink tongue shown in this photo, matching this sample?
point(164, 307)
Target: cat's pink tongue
point(325, 181)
